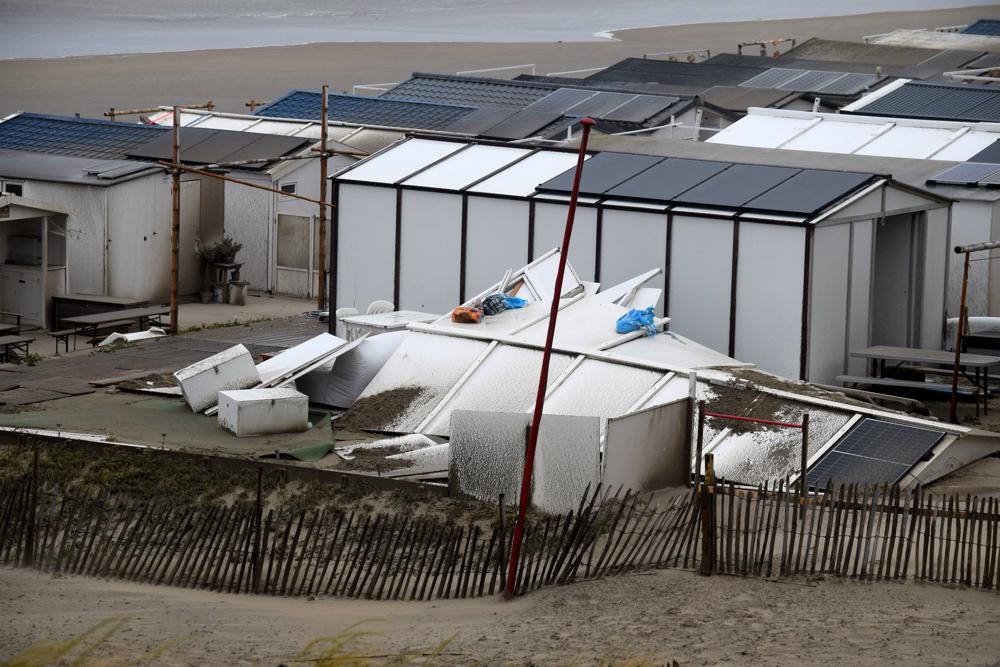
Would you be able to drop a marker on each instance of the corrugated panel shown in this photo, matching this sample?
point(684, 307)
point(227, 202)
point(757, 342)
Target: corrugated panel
point(467, 91)
point(80, 137)
point(988, 27)
point(938, 101)
point(307, 105)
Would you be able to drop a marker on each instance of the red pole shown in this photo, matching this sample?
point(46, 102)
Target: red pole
point(543, 376)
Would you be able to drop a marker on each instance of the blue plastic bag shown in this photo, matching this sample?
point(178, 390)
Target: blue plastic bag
point(513, 302)
point(636, 320)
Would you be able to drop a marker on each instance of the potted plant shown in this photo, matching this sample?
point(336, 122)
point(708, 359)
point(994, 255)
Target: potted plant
point(223, 252)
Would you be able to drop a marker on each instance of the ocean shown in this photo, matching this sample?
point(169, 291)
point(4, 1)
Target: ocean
point(59, 28)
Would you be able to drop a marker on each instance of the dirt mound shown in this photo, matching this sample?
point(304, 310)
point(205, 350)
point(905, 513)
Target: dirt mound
point(378, 411)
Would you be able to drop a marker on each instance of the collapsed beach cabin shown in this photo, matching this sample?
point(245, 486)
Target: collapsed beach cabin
point(786, 268)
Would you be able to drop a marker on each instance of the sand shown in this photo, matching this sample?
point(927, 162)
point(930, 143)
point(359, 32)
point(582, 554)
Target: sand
point(91, 85)
point(650, 618)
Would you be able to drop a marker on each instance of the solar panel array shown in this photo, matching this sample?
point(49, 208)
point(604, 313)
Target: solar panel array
point(646, 178)
point(873, 452)
point(987, 27)
point(206, 146)
point(969, 174)
point(812, 81)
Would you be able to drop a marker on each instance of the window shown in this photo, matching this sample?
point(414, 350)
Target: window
point(12, 189)
point(287, 188)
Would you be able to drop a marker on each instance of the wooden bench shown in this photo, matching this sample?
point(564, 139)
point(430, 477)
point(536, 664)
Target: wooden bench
point(6, 328)
point(63, 336)
point(20, 344)
point(903, 384)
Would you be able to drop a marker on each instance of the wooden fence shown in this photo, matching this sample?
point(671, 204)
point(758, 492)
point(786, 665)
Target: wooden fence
point(866, 533)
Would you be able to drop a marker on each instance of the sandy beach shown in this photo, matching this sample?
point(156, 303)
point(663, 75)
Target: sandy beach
point(642, 619)
point(91, 85)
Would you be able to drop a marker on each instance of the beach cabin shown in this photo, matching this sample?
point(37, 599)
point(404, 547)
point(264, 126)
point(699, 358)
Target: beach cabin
point(789, 268)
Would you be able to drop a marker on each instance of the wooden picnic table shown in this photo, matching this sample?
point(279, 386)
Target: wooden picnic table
point(18, 343)
point(89, 324)
point(980, 363)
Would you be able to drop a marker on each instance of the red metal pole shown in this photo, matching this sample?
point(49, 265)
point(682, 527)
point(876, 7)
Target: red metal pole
point(543, 376)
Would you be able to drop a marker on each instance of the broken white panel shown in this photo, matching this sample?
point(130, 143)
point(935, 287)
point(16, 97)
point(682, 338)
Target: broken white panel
point(585, 324)
point(757, 454)
point(643, 298)
point(202, 381)
point(152, 332)
point(600, 389)
point(399, 444)
point(487, 457)
point(339, 382)
point(541, 275)
point(292, 360)
point(249, 412)
point(672, 349)
point(423, 461)
point(429, 363)
point(648, 450)
point(615, 293)
point(506, 381)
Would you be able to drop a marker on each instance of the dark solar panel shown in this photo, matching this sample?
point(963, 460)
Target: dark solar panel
point(597, 105)
point(989, 154)
point(772, 78)
point(560, 100)
point(968, 174)
point(640, 108)
point(521, 125)
point(988, 27)
point(216, 147)
point(874, 451)
point(737, 185)
point(992, 181)
point(602, 172)
point(480, 120)
point(666, 180)
point(810, 80)
point(850, 84)
point(808, 191)
point(266, 146)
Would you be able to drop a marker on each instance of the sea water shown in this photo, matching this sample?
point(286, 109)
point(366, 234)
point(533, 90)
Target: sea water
point(57, 28)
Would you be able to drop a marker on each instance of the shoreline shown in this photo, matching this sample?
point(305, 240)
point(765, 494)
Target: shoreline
point(90, 85)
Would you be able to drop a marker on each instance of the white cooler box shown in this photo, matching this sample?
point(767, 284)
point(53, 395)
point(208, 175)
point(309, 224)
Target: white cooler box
point(247, 412)
point(202, 381)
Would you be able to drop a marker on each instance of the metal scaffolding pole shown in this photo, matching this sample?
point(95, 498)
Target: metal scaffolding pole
point(175, 222)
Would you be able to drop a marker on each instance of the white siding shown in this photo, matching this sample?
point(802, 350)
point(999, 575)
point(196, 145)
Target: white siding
point(366, 245)
point(550, 223)
point(430, 251)
point(633, 243)
point(250, 220)
point(830, 283)
point(971, 222)
point(700, 280)
point(860, 292)
point(769, 297)
point(497, 240)
point(935, 274)
point(139, 239)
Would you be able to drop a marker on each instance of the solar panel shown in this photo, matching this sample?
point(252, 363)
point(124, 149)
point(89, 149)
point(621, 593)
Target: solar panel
point(666, 180)
point(873, 452)
point(969, 173)
point(598, 104)
point(989, 154)
point(737, 185)
point(987, 27)
point(772, 78)
point(991, 181)
point(522, 124)
point(560, 100)
point(640, 108)
point(849, 84)
point(808, 191)
point(480, 120)
point(602, 172)
point(810, 80)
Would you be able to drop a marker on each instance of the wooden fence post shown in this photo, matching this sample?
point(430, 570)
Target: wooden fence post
point(708, 517)
point(257, 556)
point(29, 537)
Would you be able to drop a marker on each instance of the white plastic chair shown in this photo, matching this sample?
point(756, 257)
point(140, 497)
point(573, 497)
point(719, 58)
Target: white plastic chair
point(380, 307)
point(343, 330)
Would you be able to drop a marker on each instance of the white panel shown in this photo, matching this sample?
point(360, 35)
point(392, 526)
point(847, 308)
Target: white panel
point(632, 243)
point(833, 137)
point(401, 161)
point(497, 240)
point(903, 141)
point(648, 450)
point(585, 324)
point(861, 268)
point(466, 167)
point(431, 246)
point(769, 297)
point(970, 223)
point(619, 388)
point(224, 123)
point(366, 245)
point(935, 272)
point(277, 127)
point(672, 349)
point(289, 361)
point(966, 146)
point(521, 179)
point(550, 223)
point(700, 280)
point(762, 131)
point(828, 308)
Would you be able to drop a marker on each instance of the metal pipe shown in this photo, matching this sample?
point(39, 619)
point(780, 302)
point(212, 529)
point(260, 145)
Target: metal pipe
point(113, 113)
point(323, 157)
point(543, 376)
point(175, 223)
point(960, 326)
point(230, 179)
point(976, 247)
point(266, 160)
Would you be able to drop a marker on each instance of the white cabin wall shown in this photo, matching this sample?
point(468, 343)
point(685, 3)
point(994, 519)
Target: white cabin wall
point(550, 223)
point(859, 313)
point(250, 220)
point(430, 251)
point(85, 235)
point(994, 272)
point(935, 272)
point(497, 240)
point(830, 287)
point(633, 243)
point(139, 214)
point(366, 245)
point(971, 222)
point(701, 258)
point(769, 279)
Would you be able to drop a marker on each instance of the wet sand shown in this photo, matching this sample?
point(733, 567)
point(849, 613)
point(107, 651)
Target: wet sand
point(91, 85)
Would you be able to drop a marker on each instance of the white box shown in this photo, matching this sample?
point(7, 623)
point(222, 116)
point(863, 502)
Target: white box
point(261, 411)
point(201, 382)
